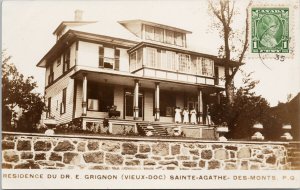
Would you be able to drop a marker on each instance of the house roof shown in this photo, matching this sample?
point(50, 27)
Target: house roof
point(103, 27)
point(64, 24)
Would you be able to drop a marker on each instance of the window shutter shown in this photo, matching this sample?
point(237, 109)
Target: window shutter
point(101, 57)
point(117, 59)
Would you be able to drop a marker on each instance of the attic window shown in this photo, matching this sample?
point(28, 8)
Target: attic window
point(149, 32)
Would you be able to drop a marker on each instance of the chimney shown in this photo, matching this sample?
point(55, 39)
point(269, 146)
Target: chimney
point(78, 15)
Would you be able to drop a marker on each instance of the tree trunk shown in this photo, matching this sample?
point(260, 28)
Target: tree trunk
point(229, 89)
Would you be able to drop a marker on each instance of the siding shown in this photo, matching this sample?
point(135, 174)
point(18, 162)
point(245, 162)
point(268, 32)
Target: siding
point(88, 55)
point(58, 68)
point(55, 92)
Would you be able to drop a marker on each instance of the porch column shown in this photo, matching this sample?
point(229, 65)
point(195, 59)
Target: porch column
point(200, 106)
point(136, 100)
point(84, 95)
point(157, 111)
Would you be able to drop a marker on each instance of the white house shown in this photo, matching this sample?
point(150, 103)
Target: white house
point(145, 69)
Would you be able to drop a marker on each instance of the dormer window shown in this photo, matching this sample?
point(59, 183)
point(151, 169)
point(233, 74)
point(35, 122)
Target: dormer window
point(149, 32)
point(164, 36)
point(169, 37)
point(178, 39)
point(159, 34)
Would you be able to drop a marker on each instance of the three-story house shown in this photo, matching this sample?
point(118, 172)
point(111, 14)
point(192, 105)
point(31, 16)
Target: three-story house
point(145, 69)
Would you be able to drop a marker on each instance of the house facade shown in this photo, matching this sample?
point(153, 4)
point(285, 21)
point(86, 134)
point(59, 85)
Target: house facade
point(145, 69)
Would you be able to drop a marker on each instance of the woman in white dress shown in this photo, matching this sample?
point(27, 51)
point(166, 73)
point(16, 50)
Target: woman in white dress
point(193, 116)
point(185, 115)
point(177, 115)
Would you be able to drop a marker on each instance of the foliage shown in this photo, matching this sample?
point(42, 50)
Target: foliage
point(19, 102)
point(235, 42)
point(247, 109)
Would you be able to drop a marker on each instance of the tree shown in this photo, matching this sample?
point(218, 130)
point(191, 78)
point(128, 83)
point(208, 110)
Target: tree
point(18, 96)
point(246, 109)
point(224, 11)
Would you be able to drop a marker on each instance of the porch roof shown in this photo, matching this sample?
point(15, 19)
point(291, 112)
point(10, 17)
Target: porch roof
point(127, 79)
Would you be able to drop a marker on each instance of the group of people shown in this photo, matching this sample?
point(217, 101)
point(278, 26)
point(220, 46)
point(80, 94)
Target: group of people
point(185, 115)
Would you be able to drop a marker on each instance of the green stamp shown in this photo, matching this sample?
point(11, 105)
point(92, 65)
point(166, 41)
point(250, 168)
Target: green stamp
point(270, 30)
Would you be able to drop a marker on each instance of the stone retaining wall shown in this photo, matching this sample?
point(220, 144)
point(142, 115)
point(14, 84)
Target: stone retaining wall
point(21, 151)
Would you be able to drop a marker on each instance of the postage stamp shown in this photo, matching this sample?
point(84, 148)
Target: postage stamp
point(270, 30)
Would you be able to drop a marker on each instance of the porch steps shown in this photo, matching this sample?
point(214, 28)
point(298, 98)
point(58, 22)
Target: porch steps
point(157, 129)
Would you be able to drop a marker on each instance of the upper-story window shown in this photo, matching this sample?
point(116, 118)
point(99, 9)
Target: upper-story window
point(169, 37)
point(66, 61)
point(158, 34)
point(109, 58)
point(136, 59)
point(207, 67)
point(184, 62)
point(51, 75)
point(58, 62)
point(179, 39)
point(149, 32)
point(165, 36)
point(172, 61)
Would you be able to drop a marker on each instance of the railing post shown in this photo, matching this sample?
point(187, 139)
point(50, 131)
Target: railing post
point(200, 105)
point(157, 110)
point(136, 101)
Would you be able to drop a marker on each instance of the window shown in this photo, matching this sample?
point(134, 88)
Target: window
point(139, 58)
point(163, 59)
point(183, 63)
point(149, 32)
point(207, 67)
point(159, 34)
point(99, 97)
point(169, 37)
point(194, 62)
point(171, 62)
point(51, 75)
point(58, 62)
point(199, 65)
point(167, 103)
point(109, 58)
point(63, 101)
point(66, 61)
point(49, 107)
point(151, 57)
point(133, 65)
point(178, 39)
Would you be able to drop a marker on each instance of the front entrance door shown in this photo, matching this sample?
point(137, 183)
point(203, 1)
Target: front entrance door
point(129, 105)
point(192, 103)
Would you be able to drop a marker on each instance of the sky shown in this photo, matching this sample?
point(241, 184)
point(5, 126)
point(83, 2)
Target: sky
point(27, 28)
